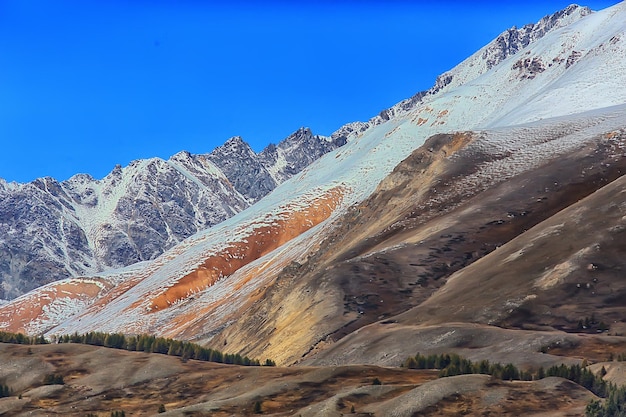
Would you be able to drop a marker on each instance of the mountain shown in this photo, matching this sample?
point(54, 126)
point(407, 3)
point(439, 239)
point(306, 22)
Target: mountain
point(53, 230)
point(483, 217)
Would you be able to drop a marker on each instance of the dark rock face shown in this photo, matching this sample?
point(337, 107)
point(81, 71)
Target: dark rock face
point(514, 39)
point(572, 58)
point(508, 43)
point(37, 220)
point(528, 68)
point(297, 152)
point(50, 230)
point(243, 168)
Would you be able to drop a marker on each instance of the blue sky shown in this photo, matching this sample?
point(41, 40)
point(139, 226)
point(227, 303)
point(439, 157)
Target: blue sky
point(86, 85)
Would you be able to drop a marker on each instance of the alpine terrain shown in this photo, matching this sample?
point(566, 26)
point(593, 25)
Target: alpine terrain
point(53, 230)
point(484, 218)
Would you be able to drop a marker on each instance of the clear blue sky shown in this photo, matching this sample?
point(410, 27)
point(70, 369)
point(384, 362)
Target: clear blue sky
point(86, 85)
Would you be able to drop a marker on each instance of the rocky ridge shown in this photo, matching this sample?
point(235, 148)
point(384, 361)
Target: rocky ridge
point(50, 230)
point(507, 44)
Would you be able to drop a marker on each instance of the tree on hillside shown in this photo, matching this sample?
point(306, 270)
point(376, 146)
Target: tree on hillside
point(5, 391)
point(53, 379)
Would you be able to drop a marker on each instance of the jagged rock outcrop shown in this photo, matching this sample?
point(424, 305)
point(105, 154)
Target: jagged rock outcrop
point(245, 171)
point(51, 230)
point(514, 39)
point(296, 152)
point(507, 44)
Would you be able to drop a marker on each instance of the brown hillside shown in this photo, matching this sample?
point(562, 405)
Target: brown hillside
point(101, 380)
point(395, 251)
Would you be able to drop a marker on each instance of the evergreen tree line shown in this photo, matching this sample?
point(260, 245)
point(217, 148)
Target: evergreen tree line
point(5, 391)
point(141, 343)
point(613, 406)
point(166, 346)
point(591, 323)
point(582, 376)
point(53, 379)
point(453, 364)
point(21, 339)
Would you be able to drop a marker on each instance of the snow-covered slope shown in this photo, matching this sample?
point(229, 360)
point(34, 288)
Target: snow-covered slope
point(571, 79)
point(507, 44)
point(51, 230)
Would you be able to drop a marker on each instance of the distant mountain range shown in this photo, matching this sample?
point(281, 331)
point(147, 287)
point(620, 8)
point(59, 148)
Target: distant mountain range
point(50, 230)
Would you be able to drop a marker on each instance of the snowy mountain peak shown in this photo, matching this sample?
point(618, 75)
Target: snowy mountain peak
point(181, 156)
point(80, 178)
point(513, 40)
point(117, 171)
point(234, 143)
point(52, 230)
point(508, 43)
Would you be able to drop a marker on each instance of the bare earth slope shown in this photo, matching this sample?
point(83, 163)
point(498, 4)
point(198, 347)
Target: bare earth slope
point(397, 248)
